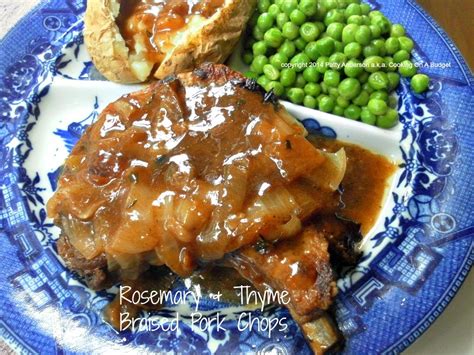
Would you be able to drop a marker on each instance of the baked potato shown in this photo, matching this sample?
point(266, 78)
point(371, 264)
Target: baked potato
point(132, 40)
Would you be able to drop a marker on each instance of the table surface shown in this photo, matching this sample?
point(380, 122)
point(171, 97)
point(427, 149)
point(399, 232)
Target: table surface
point(452, 333)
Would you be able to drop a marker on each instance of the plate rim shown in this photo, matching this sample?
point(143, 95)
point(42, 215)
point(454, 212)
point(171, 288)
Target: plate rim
point(456, 283)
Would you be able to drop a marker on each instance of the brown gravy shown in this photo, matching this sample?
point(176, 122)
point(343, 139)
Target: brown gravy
point(160, 19)
point(364, 184)
point(365, 181)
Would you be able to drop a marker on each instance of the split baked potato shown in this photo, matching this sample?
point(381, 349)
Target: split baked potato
point(132, 40)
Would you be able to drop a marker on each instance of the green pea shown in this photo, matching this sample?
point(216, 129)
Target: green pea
point(321, 26)
point(278, 59)
point(300, 43)
point(364, 9)
point(287, 48)
point(363, 35)
point(312, 89)
point(271, 72)
point(290, 30)
point(309, 31)
point(352, 112)
point(406, 43)
point(367, 117)
point(378, 80)
point(263, 5)
point(373, 63)
point(382, 22)
point(419, 83)
point(325, 46)
point(392, 101)
point(326, 103)
point(370, 51)
point(338, 110)
point(366, 21)
point(287, 77)
point(375, 31)
point(367, 87)
point(352, 50)
point(274, 10)
point(393, 80)
point(311, 75)
point(388, 120)
point(397, 30)
point(334, 30)
point(297, 17)
point(287, 6)
point(338, 46)
point(259, 48)
point(300, 81)
point(353, 68)
point(311, 50)
point(337, 61)
point(329, 4)
point(362, 99)
point(300, 61)
point(276, 87)
point(379, 43)
point(265, 21)
point(352, 9)
point(257, 33)
point(333, 16)
point(342, 102)
point(356, 20)
point(379, 94)
point(348, 33)
point(333, 92)
point(363, 78)
point(400, 56)
point(273, 37)
point(332, 78)
point(309, 101)
point(251, 75)
point(392, 45)
point(389, 64)
point(407, 69)
point(324, 87)
point(377, 107)
point(281, 19)
point(375, 13)
point(247, 57)
point(308, 7)
point(296, 95)
point(322, 64)
point(263, 81)
point(258, 63)
point(349, 88)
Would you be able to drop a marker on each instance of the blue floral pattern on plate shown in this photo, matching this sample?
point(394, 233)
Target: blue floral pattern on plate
point(415, 265)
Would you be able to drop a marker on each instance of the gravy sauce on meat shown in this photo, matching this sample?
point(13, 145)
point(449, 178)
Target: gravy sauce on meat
point(179, 174)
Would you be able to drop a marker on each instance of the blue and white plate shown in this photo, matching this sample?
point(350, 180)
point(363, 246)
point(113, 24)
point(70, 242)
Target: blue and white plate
point(415, 257)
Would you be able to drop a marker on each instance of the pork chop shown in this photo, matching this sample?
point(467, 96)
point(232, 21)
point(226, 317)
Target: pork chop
point(191, 168)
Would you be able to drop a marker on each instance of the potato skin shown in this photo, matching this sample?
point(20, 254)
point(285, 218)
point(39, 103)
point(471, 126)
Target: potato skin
point(105, 44)
point(213, 43)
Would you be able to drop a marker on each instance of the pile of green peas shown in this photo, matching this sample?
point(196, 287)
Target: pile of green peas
point(334, 55)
